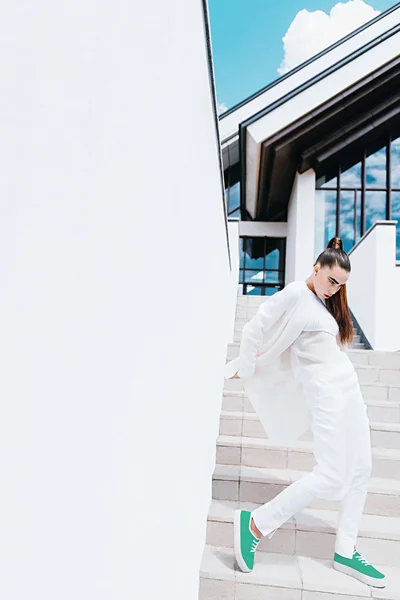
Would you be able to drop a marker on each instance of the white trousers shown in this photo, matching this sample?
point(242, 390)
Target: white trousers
point(342, 451)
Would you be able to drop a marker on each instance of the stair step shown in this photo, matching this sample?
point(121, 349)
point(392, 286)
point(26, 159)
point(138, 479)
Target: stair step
point(385, 411)
point(261, 453)
point(383, 435)
point(357, 346)
point(259, 485)
point(310, 532)
point(285, 577)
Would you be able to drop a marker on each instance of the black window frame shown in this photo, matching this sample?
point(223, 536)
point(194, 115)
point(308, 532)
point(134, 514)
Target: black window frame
point(264, 285)
point(363, 188)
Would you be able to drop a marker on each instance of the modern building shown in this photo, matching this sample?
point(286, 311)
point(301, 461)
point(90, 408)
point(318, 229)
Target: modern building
point(313, 155)
point(120, 270)
point(316, 154)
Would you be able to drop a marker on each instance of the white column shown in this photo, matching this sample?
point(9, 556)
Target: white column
point(300, 229)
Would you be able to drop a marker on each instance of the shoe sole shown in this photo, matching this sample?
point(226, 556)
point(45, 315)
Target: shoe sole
point(379, 583)
point(236, 543)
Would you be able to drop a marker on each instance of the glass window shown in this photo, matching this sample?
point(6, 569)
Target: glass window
point(254, 253)
point(351, 177)
point(375, 207)
point(234, 197)
point(262, 263)
point(272, 259)
point(270, 291)
point(323, 183)
point(358, 216)
point(347, 201)
point(253, 291)
point(253, 276)
point(375, 169)
point(242, 245)
point(375, 194)
point(395, 163)
point(396, 217)
point(273, 276)
point(235, 213)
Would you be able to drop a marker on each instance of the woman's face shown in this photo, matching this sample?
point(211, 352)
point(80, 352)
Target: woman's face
point(329, 280)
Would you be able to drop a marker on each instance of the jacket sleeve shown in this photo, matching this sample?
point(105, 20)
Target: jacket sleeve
point(255, 331)
point(343, 347)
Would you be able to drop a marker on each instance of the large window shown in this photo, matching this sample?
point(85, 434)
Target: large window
point(232, 190)
point(349, 203)
point(262, 265)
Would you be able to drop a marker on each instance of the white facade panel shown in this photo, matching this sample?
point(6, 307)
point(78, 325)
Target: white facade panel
point(114, 294)
point(374, 286)
point(263, 228)
point(300, 228)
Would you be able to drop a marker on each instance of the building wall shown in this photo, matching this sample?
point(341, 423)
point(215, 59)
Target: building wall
point(114, 300)
point(262, 228)
point(300, 228)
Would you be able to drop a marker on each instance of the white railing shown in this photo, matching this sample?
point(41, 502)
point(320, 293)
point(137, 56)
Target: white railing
point(374, 286)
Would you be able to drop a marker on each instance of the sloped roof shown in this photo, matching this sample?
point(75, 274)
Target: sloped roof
point(339, 100)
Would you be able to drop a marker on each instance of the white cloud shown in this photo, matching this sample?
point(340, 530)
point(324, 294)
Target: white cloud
point(311, 32)
point(222, 108)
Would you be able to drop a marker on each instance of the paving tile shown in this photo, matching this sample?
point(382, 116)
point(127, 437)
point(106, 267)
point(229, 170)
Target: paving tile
point(258, 457)
point(225, 490)
point(315, 544)
point(213, 589)
point(228, 455)
point(271, 569)
point(218, 563)
point(308, 595)
point(319, 576)
point(392, 589)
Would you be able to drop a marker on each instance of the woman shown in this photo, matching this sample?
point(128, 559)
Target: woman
point(314, 319)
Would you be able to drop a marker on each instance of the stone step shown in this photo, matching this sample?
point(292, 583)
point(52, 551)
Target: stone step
point(375, 390)
point(383, 411)
point(256, 452)
point(310, 532)
point(383, 435)
point(260, 485)
point(357, 346)
point(285, 577)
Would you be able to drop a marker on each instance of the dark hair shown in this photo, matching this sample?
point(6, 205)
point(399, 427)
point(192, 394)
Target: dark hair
point(337, 304)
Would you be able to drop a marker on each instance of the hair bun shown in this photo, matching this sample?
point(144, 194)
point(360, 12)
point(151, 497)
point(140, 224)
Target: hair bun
point(335, 243)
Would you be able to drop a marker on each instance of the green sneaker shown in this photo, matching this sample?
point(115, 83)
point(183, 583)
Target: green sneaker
point(245, 543)
point(359, 568)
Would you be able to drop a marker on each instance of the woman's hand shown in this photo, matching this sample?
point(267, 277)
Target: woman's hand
point(235, 376)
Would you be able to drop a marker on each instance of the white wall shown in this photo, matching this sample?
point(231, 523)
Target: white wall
point(233, 288)
point(300, 228)
point(374, 286)
point(113, 334)
point(263, 229)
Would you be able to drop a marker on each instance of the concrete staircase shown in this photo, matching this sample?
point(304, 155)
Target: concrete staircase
point(296, 563)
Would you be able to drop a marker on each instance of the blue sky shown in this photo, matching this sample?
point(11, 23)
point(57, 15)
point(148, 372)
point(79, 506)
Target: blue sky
point(247, 41)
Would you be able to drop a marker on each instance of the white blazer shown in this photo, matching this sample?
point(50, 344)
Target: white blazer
point(264, 364)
